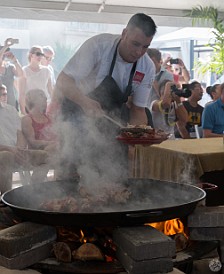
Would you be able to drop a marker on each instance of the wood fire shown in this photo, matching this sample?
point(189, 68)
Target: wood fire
point(84, 245)
point(174, 228)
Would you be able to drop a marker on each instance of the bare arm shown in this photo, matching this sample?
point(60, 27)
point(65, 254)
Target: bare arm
point(21, 140)
point(185, 75)
point(181, 113)
point(137, 116)
point(207, 133)
point(67, 87)
point(21, 85)
point(182, 129)
point(50, 87)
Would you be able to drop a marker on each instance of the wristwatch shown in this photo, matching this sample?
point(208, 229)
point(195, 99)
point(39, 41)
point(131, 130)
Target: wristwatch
point(179, 104)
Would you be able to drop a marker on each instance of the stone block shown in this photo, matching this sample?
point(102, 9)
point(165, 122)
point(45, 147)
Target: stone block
point(25, 243)
point(144, 242)
point(158, 265)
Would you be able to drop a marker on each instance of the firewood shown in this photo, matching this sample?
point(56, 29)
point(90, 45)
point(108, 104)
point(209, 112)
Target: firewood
point(62, 252)
point(87, 252)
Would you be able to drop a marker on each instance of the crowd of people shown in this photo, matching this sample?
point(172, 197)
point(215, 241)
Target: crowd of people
point(117, 75)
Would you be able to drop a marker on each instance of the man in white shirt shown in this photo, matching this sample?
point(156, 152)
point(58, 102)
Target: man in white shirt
point(109, 73)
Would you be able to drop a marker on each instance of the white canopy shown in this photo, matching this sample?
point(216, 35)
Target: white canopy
point(165, 13)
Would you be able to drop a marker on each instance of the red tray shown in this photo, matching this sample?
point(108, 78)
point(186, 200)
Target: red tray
point(140, 141)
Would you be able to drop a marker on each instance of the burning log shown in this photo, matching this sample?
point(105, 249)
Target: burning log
point(62, 252)
point(87, 252)
point(181, 241)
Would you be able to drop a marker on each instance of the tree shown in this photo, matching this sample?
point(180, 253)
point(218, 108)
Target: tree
point(210, 15)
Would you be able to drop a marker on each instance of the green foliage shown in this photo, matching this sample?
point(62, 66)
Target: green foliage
point(204, 15)
point(62, 55)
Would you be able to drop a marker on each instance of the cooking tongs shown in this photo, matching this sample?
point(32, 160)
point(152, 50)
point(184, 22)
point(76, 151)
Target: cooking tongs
point(113, 121)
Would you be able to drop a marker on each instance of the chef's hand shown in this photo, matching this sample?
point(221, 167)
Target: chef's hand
point(92, 108)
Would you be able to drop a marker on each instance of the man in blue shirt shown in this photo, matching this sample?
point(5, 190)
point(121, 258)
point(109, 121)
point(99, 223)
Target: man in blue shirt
point(213, 117)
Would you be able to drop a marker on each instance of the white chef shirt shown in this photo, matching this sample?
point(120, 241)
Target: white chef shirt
point(91, 64)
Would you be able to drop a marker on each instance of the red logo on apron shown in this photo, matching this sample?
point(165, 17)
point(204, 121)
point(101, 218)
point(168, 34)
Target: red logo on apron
point(138, 77)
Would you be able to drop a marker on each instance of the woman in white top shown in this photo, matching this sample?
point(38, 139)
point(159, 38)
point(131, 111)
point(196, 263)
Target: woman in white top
point(36, 76)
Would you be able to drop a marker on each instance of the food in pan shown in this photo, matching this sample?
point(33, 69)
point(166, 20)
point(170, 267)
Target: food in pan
point(87, 200)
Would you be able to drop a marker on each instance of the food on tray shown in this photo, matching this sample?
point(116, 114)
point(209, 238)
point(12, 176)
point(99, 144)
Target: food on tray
point(142, 131)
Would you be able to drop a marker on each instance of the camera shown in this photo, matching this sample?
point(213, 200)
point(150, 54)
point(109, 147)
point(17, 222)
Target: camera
point(184, 92)
point(174, 61)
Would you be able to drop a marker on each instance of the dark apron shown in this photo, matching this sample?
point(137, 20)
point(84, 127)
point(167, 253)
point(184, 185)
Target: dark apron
point(112, 101)
point(108, 94)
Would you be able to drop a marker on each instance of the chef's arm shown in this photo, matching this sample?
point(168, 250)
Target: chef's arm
point(138, 116)
point(67, 87)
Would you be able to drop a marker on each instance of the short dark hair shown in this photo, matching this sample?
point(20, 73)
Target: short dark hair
point(193, 84)
point(212, 89)
point(143, 22)
point(152, 52)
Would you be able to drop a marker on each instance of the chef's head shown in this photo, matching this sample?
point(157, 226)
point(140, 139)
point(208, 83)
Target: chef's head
point(136, 37)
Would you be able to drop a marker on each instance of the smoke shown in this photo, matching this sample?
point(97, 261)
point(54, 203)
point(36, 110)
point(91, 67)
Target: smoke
point(89, 147)
point(188, 174)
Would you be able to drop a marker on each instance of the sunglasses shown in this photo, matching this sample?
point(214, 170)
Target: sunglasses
point(37, 53)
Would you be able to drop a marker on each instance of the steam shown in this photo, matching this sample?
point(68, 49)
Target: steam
point(189, 172)
point(98, 158)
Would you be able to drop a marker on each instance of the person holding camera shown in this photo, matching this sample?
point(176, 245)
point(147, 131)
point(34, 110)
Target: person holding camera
point(161, 74)
point(10, 68)
point(168, 109)
point(177, 67)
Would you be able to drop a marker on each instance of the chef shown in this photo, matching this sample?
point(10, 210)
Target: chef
point(109, 74)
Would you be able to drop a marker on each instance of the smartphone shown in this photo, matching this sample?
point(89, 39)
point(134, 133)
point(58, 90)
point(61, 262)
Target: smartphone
point(15, 41)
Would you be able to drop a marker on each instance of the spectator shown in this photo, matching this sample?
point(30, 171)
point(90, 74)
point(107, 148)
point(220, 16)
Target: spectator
point(214, 92)
point(9, 69)
point(36, 125)
point(161, 74)
point(46, 61)
point(12, 153)
point(213, 116)
point(180, 73)
point(168, 109)
point(187, 130)
point(38, 128)
point(36, 76)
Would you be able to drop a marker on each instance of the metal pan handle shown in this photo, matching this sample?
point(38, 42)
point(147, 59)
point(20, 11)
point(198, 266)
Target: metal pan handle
point(145, 214)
